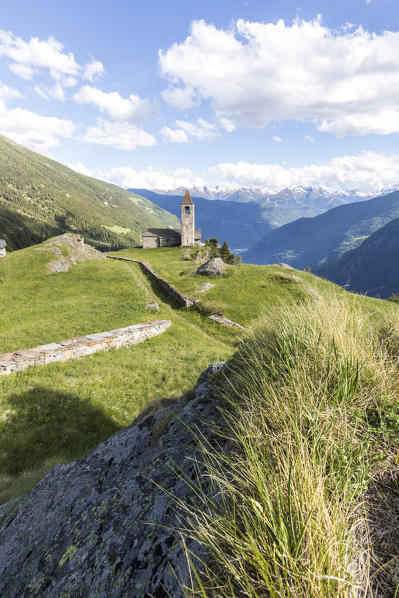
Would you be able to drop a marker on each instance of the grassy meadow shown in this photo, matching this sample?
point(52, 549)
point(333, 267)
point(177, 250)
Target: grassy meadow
point(310, 398)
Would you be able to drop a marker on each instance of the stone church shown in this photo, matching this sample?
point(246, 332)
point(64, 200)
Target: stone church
point(187, 236)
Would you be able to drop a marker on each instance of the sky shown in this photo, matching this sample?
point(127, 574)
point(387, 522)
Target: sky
point(165, 93)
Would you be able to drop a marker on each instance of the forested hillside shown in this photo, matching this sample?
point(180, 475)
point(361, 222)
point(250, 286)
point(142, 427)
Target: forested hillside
point(373, 267)
point(40, 197)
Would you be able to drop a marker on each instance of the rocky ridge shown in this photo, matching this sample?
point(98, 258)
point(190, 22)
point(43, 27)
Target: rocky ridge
point(110, 524)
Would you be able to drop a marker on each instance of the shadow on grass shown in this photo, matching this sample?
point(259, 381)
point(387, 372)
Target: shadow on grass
point(41, 424)
point(158, 291)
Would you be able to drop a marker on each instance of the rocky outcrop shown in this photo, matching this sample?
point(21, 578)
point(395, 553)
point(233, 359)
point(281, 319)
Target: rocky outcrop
point(69, 249)
point(213, 267)
point(110, 524)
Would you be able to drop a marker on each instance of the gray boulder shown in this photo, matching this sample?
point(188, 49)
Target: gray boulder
point(213, 267)
point(286, 266)
point(108, 526)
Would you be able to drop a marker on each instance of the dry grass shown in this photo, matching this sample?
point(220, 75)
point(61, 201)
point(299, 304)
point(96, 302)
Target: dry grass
point(289, 519)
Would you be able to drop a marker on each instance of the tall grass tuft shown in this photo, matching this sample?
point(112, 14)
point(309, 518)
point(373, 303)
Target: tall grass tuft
point(288, 519)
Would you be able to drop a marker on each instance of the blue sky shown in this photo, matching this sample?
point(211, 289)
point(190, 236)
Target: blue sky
point(239, 92)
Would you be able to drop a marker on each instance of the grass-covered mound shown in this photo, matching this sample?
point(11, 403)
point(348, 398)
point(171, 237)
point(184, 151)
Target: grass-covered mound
point(59, 412)
point(311, 396)
point(311, 404)
point(244, 294)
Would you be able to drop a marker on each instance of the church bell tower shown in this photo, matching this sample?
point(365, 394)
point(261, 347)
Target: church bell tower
point(187, 221)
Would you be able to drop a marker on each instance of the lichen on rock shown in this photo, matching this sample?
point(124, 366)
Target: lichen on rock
point(110, 524)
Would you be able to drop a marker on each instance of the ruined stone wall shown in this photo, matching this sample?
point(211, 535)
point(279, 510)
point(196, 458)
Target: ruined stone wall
point(80, 346)
point(170, 290)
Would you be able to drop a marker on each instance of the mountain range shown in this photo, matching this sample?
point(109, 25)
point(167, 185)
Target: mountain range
point(40, 198)
point(244, 215)
point(318, 241)
point(373, 267)
point(264, 194)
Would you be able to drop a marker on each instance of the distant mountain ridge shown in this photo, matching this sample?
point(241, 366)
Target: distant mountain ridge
point(242, 216)
point(320, 240)
point(263, 193)
point(40, 198)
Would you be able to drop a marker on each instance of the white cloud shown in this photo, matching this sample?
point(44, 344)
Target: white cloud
point(117, 107)
point(383, 122)
point(227, 124)
point(309, 138)
point(122, 135)
point(368, 172)
point(149, 178)
point(346, 81)
point(22, 70)
point(8, 93)
point(277, 139)
point(55, 92)
point(174, 135)
point(180, 97)
point(93, 69)
point(201, 129)
point(81, 168)
point(38, 132)
point(27, 57)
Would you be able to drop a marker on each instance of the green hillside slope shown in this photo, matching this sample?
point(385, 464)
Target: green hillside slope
point(319, 240)
point(371, 268)
point(40, 198)
point(65, 409)
point(310, 396)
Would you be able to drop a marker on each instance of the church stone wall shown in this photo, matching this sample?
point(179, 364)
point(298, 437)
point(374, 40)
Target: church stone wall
point(150, 242)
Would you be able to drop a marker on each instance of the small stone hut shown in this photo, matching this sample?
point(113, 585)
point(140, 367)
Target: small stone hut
point(2, 248)
point(187, 236)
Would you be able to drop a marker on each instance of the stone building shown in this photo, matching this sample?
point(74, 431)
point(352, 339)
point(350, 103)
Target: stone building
point(187, 236)
point(2, 248)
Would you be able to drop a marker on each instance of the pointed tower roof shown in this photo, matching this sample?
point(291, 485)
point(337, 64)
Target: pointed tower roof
point(187, 198)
